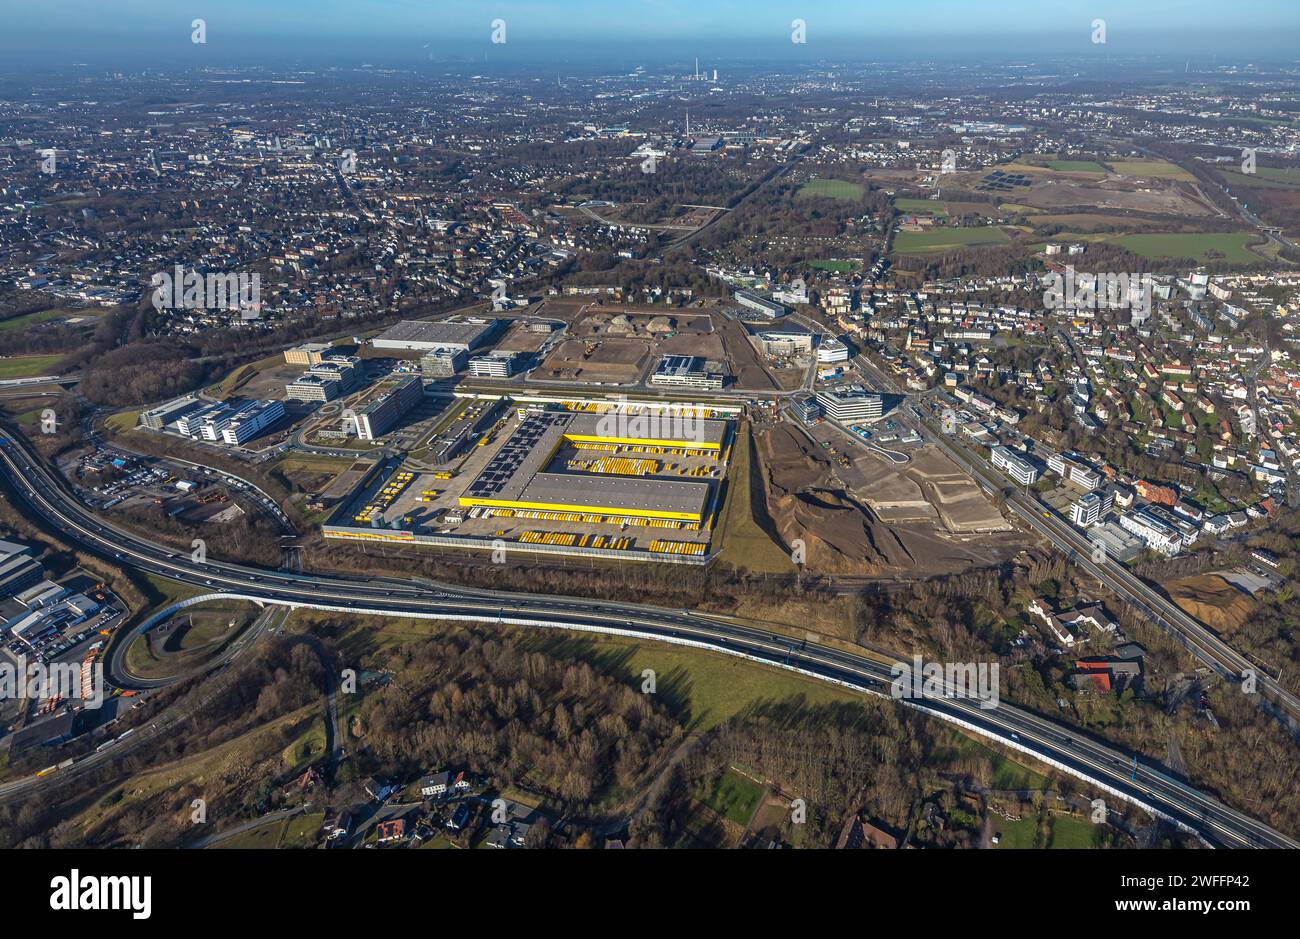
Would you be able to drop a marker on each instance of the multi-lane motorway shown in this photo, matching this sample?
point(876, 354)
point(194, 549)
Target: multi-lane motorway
point(1114, 771)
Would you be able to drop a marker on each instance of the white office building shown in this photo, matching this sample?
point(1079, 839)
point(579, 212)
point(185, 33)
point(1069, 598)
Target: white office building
point(493, 365)
point(850, 403)
point(1157, 535)
point(832, 350)
point(1017, 467)
point(252, 421)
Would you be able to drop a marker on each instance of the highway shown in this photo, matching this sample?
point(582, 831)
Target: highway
point(1108, 768)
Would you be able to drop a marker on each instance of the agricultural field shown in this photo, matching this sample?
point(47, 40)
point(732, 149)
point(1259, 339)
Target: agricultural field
point(1077, 166)
point(1231, 246)
point(947, 239)
point(921, 207)
point(1152, 169)
point(832, 189)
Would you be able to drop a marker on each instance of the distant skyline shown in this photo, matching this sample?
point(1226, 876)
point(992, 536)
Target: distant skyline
point(387, 30)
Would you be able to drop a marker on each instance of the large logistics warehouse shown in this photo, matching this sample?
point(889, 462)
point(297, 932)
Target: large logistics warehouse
point(514, 478)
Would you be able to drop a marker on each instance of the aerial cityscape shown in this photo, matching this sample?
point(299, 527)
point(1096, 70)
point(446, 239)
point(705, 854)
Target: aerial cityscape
point(813, 435)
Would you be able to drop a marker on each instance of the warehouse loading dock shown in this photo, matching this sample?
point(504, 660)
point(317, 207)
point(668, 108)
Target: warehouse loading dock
point(594, 484)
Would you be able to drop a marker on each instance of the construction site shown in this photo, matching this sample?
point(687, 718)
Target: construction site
point(585, 478)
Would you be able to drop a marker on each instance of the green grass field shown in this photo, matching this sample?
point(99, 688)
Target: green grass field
point(1232, 245)
point(1290, 175)
point(702, 689)
point(1064, 832)
point(832, 189)
point(122, 422)
point(28, 366)
point(1077, 166)
point(947, 239)
point(732, 796)
point(741, 540)
point(298, 831)
point(1263, 178)
point(30, 319)
point(933, 207)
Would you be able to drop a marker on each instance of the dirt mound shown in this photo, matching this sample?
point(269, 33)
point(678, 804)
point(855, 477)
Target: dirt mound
point(1212, 600)
point(840, 536)
point(790, 463)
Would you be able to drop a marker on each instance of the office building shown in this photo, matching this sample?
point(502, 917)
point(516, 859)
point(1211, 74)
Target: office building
point(443, 363)
point(394, 400)
point(690, 371)
point(1015, 466)
point(832, 350)
point(170, 412)
point(493, 365)
point(849, 403)
point(252, 421)
point(309, 353)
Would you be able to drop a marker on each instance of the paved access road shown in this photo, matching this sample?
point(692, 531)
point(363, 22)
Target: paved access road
point(1119, 773)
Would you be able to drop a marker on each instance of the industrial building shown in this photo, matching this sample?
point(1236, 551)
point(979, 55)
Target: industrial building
point(688, 371)
point(426, 335)
point(849, 403)
point(790, 342)
point(18, 569)
point(759, 304)
point(515, 478)
point(390, 405)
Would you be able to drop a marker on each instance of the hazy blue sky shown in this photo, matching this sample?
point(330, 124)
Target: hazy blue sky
point(97, 27)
